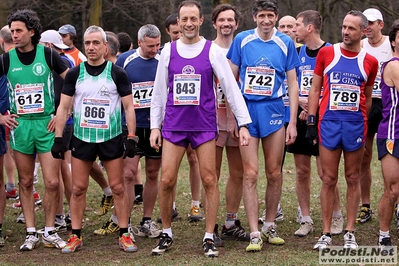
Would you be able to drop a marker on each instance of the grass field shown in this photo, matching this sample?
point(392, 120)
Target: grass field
point(187, 247)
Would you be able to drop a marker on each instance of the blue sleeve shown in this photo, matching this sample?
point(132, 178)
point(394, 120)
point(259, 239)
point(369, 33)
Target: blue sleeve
point(4, 99)
point(234, 53)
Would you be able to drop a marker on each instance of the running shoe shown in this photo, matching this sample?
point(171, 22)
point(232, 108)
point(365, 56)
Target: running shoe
point(350, 241)
point(255, 245)
point(364, 216)
point(21, 218)
point(36, 196)
point(216, 237)
point(31, 241)
point(337, 225)
point(195, 214)
point(108, 228)
point(305, 229)
point(107, 202)
point(237, 232)
point(210, 250)
point(165, 242)
point(271, 236)
point(2, 240)
point(74, 243)
point(175, 216)
point(126, 243)
point(53, 240)
point(148, 229)
point(12, 195)
point(323, 243)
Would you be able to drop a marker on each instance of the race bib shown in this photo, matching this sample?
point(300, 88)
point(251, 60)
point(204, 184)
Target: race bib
point(306, 82)
point(259, 81)
point(221, 97)
point(95, 113)
point(142, 94)
point(29, 99)
point(186, 89)
point(286, 100)
point(344, 97)
point(376, 88)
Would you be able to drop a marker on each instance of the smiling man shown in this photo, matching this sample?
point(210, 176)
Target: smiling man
point(28, 70)
point(262, 58)
point(98, 88)
point(347, 73)
point(184, 104)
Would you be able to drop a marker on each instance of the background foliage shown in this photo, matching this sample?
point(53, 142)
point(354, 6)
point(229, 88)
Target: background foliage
point(129, 16)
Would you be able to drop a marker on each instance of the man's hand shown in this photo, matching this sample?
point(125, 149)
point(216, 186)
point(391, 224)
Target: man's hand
point(155, 138)
point(245, 137)
point(131, 148)
point(9, 121)
point(58, 148)
point(311, 134)
point(51, 125)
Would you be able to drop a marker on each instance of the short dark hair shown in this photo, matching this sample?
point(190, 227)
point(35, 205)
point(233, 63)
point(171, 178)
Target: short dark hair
point(270, 5)
point(363, 19)
point(392, 33)
point(125, 42)
point(224, 7)
point(190, 3)
point(31, 20)
point(311, 17)
point(171, 20)
point(113, 42)
point(74, 38)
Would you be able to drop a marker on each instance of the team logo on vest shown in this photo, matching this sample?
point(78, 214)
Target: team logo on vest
point(39, 69)
point(103, 91)
point(188, 70)
point(335, 77)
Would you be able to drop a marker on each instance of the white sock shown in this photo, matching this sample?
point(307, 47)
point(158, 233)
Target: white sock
point(383, 234)
point(195, 203)
point(31, 229)
point(255, 234)
point(168, 231)
point(174, 205)
point(48, 229)
point(36, 167)
point(107, 191)
point(307, 219)
point(337, 214)
point(114, 219)
point(266, 225)
point(208, 235)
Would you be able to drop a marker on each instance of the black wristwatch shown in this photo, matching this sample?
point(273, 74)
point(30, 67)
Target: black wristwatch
point(135, 138)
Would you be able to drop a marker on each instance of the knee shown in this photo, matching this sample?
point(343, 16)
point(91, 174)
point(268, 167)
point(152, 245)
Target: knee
point(209, 181)
point(352, 179)
point(192, 158)
point(329, 181)
point(302, 174)
point(117, 189)
point(250, 177)
point(52, 185)
point(167, 184)
point(78, 191)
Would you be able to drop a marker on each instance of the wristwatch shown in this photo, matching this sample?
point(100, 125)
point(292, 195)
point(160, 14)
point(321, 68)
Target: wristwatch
point(133, 137)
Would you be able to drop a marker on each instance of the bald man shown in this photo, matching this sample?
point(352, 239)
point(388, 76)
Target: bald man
point(286, 25)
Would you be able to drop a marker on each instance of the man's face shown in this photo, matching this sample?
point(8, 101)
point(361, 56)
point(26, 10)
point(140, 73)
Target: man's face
point(94, 46)
point(226, 23)
point(21, 36)
point(351, 32)
point(395, 43)
point(66, 39)
point(265, 21)
point(287, 25)
point(174, 32)
point(374, 28)
point(190, 21)
point(149, 48)
point(301, 30)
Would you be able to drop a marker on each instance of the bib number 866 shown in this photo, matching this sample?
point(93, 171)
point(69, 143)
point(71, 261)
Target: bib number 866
point(94, 112)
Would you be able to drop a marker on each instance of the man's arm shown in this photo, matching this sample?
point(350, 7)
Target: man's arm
point(293, 98)
point(127, 102)
point(314, 94)
point(62, 114)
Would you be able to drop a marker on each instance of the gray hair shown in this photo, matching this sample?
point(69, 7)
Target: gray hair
point(364, 23)
point(113, 43)
point(5, 34)
point(148, 30)
point(95, 28)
